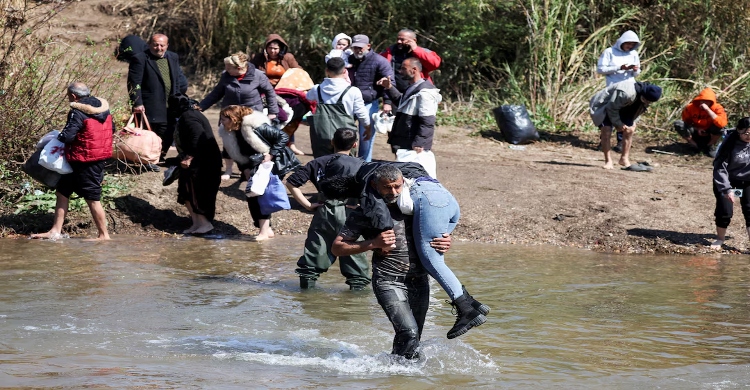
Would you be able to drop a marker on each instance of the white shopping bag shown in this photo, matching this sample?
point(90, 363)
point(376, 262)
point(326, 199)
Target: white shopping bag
point(426, 159)
point(382, 122)
point(53, 157)
point(47, 137)
point(257, 184)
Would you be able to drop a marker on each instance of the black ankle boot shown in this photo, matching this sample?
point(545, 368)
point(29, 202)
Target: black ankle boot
point(466, 317)
point(478, 306)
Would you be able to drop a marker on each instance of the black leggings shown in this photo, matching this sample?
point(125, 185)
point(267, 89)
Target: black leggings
point(254, 206)
point(725, 208)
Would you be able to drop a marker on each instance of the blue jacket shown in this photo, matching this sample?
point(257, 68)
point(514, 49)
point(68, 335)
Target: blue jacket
point(245, 92)
point(365, 72)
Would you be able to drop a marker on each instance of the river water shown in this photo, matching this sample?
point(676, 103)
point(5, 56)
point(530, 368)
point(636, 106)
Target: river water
point(228, 313)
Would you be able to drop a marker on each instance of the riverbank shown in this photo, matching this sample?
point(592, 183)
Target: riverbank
point(553, 192)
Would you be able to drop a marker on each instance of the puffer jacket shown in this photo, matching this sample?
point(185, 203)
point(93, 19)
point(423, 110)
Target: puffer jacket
point(366, 72)
point(414, 124)
point(246, 92)
point(246, 147)
point(694, 115)
point(88, 132)
point(613, 58)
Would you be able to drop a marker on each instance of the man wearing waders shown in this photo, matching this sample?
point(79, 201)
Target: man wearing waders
point(338, 103)
point(329, 217)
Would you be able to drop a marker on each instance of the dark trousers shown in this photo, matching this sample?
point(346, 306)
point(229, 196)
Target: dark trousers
point(165, 131)
point(405, 300)
point(254, 206)
point(317, 257)
point(724, 207)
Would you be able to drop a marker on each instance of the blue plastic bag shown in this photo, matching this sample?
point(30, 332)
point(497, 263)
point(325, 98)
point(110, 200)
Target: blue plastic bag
point(274, 198)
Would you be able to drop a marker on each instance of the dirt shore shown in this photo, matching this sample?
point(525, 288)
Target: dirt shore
point(553, 192)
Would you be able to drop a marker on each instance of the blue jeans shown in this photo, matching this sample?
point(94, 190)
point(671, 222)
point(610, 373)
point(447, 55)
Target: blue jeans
point(365, 147)
point(436, 211)
point(405, 300)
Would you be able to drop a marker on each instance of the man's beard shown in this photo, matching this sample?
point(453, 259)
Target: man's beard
point(390, 200)
point(359, 56)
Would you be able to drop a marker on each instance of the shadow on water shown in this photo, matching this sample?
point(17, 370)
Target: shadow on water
point(674, 237)
point(144, 213)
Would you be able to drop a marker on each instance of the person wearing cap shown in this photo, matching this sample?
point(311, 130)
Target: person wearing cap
point(619, 105)
point(703, 122)
point(406, 47)
point(367, 67)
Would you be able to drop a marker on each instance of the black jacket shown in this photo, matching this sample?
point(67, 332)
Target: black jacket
point(146, 86)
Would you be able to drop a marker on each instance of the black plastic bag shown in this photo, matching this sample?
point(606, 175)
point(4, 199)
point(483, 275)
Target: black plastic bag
point(130, 46)
point(515, 124)
point(38, 172)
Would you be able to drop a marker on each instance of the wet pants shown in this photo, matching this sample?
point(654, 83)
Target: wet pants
point(317, 257)
point(405, 300)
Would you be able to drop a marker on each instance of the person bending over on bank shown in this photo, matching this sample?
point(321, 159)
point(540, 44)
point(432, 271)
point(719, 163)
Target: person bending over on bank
point(241, 131)
point(200, 166)
point(703, 122)
point(732, 179)
point(88, 139)
point(619, 105)
point(329, 217)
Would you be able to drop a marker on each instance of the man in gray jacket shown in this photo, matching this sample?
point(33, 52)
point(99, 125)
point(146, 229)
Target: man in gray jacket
point(619, 105)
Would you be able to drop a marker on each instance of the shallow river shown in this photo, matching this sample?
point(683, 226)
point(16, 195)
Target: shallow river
point(226, 313)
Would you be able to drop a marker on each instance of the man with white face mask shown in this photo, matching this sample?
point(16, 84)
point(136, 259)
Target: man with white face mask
point(367, 67)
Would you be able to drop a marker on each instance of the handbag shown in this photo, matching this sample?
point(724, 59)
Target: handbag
point(257, 184)
point(39, 173)
point(274, 198)
point(53, 158)
point(136, 143)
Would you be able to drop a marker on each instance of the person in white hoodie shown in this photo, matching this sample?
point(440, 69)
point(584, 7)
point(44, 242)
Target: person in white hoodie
point(619, 63)
point(338, 104)
point(340, 47)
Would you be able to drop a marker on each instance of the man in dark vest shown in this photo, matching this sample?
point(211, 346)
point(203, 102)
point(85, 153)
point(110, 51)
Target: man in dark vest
point(153, 77)
point(88, 139)
point(338, 104)
point(367, 68)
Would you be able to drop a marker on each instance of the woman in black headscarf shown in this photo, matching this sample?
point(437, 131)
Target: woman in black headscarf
point(199, 166)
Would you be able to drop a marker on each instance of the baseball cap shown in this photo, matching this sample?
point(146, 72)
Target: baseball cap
point(360, 41)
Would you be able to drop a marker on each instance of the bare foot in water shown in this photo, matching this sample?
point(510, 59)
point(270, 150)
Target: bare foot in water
point(203, 229)
point(265, 236)
point(48, 235)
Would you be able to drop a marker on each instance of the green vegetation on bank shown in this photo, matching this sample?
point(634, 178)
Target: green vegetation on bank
point(541, 53)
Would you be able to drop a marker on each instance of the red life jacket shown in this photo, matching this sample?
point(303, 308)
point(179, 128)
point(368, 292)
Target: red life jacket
point(93, 142)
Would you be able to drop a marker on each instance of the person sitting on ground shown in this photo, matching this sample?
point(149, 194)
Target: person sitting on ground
point(732, 179)
point(329, 217)
point(703, 122)
point(619, 63)
point(88, 139)
point(619, 105)
point(243, 132)
point(200, 166)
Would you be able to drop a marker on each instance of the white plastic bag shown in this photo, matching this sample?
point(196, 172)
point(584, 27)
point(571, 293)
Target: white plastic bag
point(382, 123)
point(257, 184)
point(426, 159)
point(405, 202)
point(53, 157)
point(48, 137)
